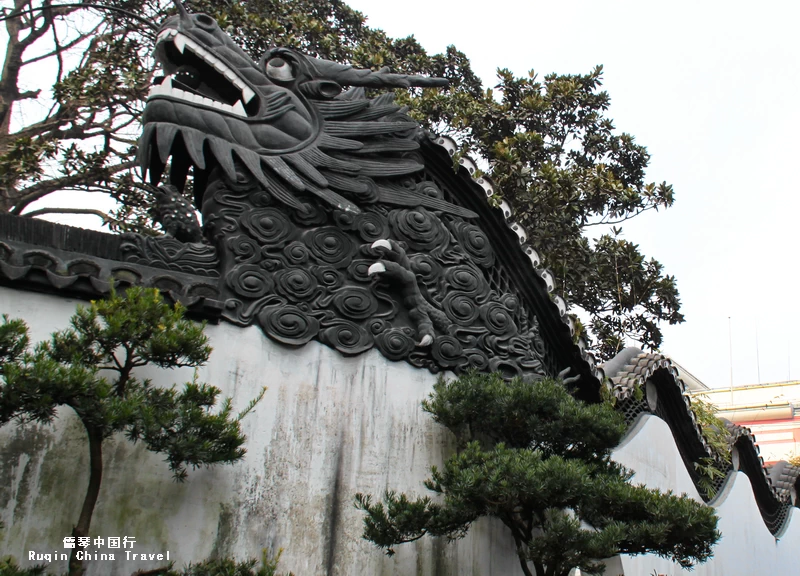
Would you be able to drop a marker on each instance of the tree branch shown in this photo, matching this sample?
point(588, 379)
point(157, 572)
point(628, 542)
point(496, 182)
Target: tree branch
point(48, 15)
point(28, 94)
point(66, 46)
point(42, 189)
point(621, 220)
point(59, 55)
point(50, 122)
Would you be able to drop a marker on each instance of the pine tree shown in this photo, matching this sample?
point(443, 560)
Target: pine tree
point(117, 336)
point(532, 456)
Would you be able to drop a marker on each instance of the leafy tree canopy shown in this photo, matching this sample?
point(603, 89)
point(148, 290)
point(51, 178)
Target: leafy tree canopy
point(548, 143)
point(532, 456)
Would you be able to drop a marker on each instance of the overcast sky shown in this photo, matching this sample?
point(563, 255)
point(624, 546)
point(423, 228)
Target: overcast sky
point(713, 90)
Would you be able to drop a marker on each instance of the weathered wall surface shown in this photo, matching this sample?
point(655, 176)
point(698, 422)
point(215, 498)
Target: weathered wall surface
point(327, 428)
point(746, 549)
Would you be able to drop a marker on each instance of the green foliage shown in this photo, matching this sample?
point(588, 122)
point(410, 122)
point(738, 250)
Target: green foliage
point(230, 567)
point(714, 431)
point(13, 341)
point(117, 336)
point(539, 460)
point(607, 392)
point(487, 408)
point(556, 158)
point(8, 567)
point(718, 438)
point(86, 140)
point(709, 472)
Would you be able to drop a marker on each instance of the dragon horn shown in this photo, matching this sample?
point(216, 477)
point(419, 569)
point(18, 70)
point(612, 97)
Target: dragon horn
point(181, 9)
point(346, 75)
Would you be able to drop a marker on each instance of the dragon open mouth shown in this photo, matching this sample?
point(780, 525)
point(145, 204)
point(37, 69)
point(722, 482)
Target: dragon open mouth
point(196, 76)
point(282, 124)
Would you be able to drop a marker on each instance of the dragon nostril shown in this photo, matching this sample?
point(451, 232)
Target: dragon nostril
point(205, 20)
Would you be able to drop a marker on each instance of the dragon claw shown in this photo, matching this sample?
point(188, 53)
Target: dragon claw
point(563, 376)
point(427, 340)
point(396, 270)
point(382, 244)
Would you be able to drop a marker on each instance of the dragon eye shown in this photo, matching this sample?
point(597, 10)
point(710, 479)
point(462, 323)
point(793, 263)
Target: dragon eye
point(280, 70)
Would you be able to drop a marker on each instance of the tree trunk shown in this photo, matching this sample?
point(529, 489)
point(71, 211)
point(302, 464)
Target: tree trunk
point(523, 562)
point(558, 571)
point(81, 529)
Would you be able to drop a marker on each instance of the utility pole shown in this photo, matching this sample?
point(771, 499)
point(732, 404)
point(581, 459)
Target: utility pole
point(730, 356)
point(758, 359)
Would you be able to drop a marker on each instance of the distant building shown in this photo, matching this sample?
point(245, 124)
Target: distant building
point(771, 411)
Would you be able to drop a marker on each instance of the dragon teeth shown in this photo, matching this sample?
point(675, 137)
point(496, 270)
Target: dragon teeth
point(247, 94)
point(164, 34)
point(167, 89)
point(161, 89)
point(181, 42)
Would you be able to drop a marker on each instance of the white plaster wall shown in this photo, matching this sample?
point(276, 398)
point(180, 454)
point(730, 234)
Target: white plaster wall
point(747, 548)
point(327, 428)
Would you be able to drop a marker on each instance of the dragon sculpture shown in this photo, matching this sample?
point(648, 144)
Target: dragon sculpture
point(317, 205)
point(284, 120)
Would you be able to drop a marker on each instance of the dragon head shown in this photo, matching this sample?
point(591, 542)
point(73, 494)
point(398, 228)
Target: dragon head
point(285, 120)
point(210, 84)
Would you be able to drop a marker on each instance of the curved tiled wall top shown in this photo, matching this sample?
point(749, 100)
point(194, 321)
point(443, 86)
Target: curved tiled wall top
point(560, 306)
point(775, 488)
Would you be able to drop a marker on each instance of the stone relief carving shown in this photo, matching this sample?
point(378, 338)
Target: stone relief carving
point(90, 276)
point(170, 254)
point(315, 200)
point(418, 293)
